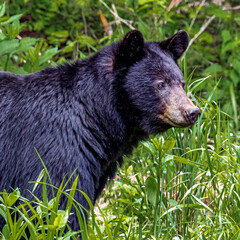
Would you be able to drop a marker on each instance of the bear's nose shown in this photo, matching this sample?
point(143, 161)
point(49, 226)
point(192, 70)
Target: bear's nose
point(192, 115)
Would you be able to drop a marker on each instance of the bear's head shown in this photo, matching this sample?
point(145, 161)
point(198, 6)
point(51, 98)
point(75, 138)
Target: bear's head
point(152, 84)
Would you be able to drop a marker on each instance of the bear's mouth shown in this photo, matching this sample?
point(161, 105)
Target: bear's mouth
point(174, 124)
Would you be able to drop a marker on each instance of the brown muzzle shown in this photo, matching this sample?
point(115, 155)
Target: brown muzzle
point(180, 111)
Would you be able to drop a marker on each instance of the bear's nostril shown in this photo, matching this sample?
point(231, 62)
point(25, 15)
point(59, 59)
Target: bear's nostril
point(192, 115)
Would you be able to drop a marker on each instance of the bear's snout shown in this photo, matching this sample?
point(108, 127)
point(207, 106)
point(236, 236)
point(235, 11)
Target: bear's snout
point(180, 110)
point(192, 115)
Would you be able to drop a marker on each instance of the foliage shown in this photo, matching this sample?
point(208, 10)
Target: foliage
point(42, 219)
point(184, 183)
point(17, 51)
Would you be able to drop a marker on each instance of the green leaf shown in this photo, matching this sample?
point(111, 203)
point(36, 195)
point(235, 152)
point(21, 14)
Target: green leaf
point(60, 34)
point(8, 46)
point(3, 212)
point(48, 55)
point(173, 202)
point(6, 232)
point(13, 197)
point(181, 160)
point(82, 55)
point(12, 19)
point(51, 227)
point(68, 49)
point(148, 146)
point(151, 189)
point(2, 36)
point(168, 145)
point(226, 36)
point(141, 2)
point(238, 237)
point(10, 199)
point(213, 69)
point(181, 206)
point(129, 170)
point(25, 44)
point(216, 10)
point(205, 37)
point(156, 143)
point(229, 46)
point(65, 215)
point(15, 29)
point(234, 77)
point(144, 29)
point(40, 176)
point(58, 221)
point(2, 9)
point(236, 65)
point(85, 40)
point(202, 203)
point(70, 234)
point(31, 226)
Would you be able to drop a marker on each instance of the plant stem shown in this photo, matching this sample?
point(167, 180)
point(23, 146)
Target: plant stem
point(6, 64)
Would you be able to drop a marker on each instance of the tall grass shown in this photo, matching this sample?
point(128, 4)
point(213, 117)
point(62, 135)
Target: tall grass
point(42, 218)
point(184, 183)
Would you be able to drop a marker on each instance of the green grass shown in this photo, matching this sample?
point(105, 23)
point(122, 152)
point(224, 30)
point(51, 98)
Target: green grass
point(42, 218)
point(183, 183)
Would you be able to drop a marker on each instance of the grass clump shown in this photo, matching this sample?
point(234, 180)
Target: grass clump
point(184, 183)
point(42, 218)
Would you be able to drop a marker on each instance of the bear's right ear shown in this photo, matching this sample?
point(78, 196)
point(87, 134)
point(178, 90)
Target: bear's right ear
point(130, 49)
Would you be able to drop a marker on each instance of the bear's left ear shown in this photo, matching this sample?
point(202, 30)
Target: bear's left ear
point(130, 49)
point(177, 44)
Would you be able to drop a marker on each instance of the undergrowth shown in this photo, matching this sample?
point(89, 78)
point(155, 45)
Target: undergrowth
point(184, 184)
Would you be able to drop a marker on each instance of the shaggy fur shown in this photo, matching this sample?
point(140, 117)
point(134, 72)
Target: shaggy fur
point(87, 115)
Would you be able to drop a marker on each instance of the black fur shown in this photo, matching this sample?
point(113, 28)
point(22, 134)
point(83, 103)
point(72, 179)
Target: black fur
point(85, 115)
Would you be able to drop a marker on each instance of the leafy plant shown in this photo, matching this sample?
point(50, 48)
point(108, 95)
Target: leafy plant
point(182, 184)
point(42, 219)
point(16, 51)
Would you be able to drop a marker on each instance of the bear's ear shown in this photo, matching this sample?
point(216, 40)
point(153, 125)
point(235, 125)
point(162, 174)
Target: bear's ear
point(177, 44)
point(130, 49)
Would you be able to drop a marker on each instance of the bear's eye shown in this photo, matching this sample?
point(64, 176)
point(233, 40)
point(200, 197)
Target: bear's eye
point(160, 85)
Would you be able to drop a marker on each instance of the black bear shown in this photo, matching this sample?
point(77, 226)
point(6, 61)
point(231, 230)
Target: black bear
point(88, 114)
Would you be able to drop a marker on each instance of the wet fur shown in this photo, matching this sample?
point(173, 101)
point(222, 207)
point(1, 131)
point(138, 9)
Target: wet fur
point(84, 115)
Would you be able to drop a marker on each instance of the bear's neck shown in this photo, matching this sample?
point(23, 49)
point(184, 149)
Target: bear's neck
point(112, 122)
point(107, 104)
